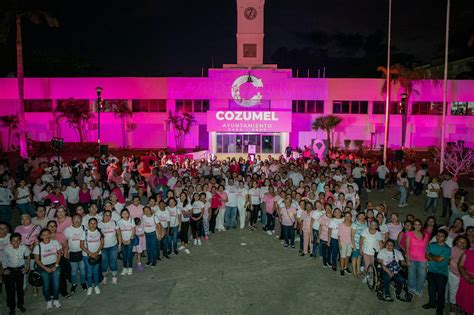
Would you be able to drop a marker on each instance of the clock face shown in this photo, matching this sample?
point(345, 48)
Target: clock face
point(250, 13)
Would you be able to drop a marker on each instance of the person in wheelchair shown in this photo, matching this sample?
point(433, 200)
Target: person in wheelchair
point(391, 260)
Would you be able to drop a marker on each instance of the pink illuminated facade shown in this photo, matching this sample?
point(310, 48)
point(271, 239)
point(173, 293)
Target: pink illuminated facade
point(244, 104)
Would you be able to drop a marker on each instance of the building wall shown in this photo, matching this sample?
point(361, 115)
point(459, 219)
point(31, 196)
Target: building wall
point(278, 91)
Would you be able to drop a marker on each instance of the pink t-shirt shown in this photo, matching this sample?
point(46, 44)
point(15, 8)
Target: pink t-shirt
point(456, 253)
point(345, 234)
point(62, 226)
point(306, 218)
point(269, 201)
point(417, 246)
point(394, 230)
point(29, 233)
point(288, 216)
point(135, 211)
point(324, 228)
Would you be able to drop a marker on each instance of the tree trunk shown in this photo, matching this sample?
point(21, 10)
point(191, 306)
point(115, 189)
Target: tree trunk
point(123, 132)
point(404, 126)
point(21, 89)
point(9, 140)
point(328, 132)
point(81, 135)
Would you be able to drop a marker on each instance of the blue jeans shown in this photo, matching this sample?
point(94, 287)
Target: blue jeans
point(270, 222)
point(300, 233)
point(386, 283)
point(230, 215)
point(381, 183)
point(92, 272)
point(109, 259)
point(263, 217)
point(26, 208)
point(403, 195)
point(5, 214)
point(50, 284)
point(78, 266)
point(411, 183)
point(127, 255)
point(163, 245)
point(151, 248)
point(334, 251)
point(288, 234)
point(416, 276)
point(315, 244)
point(173, 238)
point(431, 203)
point(325, 252)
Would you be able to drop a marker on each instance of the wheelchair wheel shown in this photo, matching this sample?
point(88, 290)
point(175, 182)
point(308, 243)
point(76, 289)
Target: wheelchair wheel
point(408, 296)
point(371, 275)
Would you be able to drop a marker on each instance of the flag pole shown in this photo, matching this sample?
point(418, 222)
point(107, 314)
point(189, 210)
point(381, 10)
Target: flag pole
point(387, 99)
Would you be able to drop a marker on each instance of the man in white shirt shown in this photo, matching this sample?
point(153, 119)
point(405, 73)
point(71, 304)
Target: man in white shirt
point(231, 205)
point(6, 198)
point(448, 186)
point(411, 174)
point(468, 219)
point(72, 196)
point(382, 172)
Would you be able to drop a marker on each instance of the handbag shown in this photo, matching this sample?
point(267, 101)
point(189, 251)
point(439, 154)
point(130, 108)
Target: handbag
point(94, 260)
point(34, 277)
point(135, 241)
point(75, 256)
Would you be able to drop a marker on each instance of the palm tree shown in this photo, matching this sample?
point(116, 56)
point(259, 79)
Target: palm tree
point(14, 12)
point(76, 115)
point(121, 110)
point(182, 126)
point(327, 123)
point(11, 122)
point(405, 79)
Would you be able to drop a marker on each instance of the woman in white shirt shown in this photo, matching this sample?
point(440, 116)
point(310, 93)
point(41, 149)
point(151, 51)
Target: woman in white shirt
point(23, 199)
point(242, 201)
point(334, 235)
point(370, 241)
point(255, 201)
point(196, 218)
point(185, 208)
point(175, 221)
point(92, 242)
point(127, 233)
point(112, 241)
point(151, 238)
point(73, 252)
point(432, 196)
point(47, 256)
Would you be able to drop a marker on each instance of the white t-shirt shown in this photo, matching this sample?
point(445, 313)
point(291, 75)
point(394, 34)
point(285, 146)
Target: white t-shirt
point(242, 195)
point(197, 207)
point(163, 217)
point(174, 216)
point(149, 223)
point(334, 226)
point(468, 221)
point(49, 252)
point(185, 212)
point(4, 242)
point(371, 241)
point(109, 230)
point(72, 194)
point(387, 257)
point(383, 229)
point(255, 196)
point(315, 215)
point(432, 194)
point(231, 196)
point(74, 236)
point(126, 228)
point(91, 241)
point(87, 217)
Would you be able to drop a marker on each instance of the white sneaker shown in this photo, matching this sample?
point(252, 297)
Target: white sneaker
point(114, 280)
point(124, 271)
point(297, 239)
point(195, 242)
point(368, 190)
point(130, 271)
point(89, 291)
point(104, 282)
point(273, 231)
point(97, 290)
point(187, 251)
point(56, 304)
point(199, 242)
point(364, 279)
point(181, 247)
point(269, 232)
point(49, 305)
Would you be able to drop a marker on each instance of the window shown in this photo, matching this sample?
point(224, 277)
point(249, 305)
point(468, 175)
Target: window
point(462, 108)
point(108, 105)
point(427, 108)
point(379, 108)
point(188, 106)
point(350, 107)
point(308, 106)
point(79, 102)
point(38, 105)
point(149, 106)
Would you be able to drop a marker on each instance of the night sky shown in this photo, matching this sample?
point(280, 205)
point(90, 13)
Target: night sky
point(178, 38)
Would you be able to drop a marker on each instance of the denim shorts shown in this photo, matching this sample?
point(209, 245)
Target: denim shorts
point(355, 253)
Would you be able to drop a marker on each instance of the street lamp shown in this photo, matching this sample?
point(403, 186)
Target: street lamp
point(403, 111)
point(445, 90)
point(387, 97)
point(99, 94)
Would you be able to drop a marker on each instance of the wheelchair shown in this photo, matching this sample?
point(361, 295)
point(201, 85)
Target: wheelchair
point(375, 282)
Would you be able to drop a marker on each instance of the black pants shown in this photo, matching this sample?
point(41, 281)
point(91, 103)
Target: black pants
point(196, 226)
point(270, 222)
point(212, 223)
point(446, 207)
point(254, 215)
point(14, 285)
point(184, 232)
point(436, 290)
point(64, 275)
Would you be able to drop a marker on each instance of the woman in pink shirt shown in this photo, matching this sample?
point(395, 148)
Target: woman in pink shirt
point(269, 201)
point(394, 228)
point(323, 236)
point(416, 257)
point(288, 219)
point(306, 227)
point(345, 242)
point(62, 220)
point(57, 196)
point(85, 196)
point(460, 244)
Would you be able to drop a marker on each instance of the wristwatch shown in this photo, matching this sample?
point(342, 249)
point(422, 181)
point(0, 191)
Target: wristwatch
point(56, 265)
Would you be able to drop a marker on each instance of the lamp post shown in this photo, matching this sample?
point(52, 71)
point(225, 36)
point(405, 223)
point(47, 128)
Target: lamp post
point(99, 94)
point(403, 112)
point(387, 99)
point(445, 90)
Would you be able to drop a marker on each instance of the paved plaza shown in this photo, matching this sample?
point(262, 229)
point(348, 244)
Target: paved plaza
point(238, 272)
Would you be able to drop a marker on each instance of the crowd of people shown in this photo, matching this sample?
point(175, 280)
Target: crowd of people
point(81, 219)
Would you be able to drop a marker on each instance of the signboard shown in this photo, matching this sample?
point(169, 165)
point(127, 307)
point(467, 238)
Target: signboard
point(252, 149)
point(248, 121)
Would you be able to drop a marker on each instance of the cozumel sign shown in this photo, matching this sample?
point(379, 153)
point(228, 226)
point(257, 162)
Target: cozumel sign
point(248, 121)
